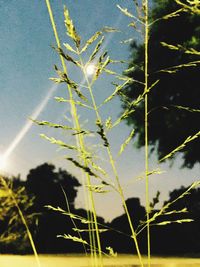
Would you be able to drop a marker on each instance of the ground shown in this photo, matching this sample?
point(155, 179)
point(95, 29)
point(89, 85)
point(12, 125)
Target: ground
point(82, 261)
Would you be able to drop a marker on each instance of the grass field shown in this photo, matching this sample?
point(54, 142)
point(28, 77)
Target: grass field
point(82, 261)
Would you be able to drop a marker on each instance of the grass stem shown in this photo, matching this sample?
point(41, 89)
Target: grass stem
point(79, 138)
point(146, 40)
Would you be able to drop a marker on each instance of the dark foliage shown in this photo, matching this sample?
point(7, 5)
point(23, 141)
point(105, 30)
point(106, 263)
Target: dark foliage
point(180, 239)
point(172, 239)
point(120, 239)
point(168, 125)
point(47, 185)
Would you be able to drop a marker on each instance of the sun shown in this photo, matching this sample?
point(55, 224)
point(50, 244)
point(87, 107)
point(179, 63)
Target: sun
point(90, 69)
point(3, 162)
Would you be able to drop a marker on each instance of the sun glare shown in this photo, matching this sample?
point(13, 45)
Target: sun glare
point(90, 69)
point(2, 162)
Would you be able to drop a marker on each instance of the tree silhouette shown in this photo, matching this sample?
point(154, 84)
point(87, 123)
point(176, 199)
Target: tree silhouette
point(47, 186)
point(184, 238)
point(169, 124)
point(120, 239)
point(51, 187)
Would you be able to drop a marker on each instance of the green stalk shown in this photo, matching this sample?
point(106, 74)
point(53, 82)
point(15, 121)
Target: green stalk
point(96, 227)
point(112, 162)
point(120, 190)
point(146, 40)
point(79, 138)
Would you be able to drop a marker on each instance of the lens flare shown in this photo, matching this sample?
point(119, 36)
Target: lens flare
point(91, 68)
point(3, 162)
point(4, 157)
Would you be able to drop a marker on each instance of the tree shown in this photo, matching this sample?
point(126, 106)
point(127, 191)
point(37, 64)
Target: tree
point(49, 187)
point(46, 185)
point(174, 100)
point(120, 239)
point(185, 238)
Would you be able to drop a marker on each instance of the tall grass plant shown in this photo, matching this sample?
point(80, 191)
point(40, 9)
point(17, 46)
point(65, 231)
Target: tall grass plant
point(95, 177)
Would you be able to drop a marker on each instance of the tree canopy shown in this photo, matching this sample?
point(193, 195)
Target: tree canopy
point(174, 57)
point(45, 225)
point(46, 184)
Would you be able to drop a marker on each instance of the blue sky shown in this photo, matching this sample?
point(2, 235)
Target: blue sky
point(27, 61)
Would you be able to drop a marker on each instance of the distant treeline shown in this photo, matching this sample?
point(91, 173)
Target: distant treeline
point(57, 188)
